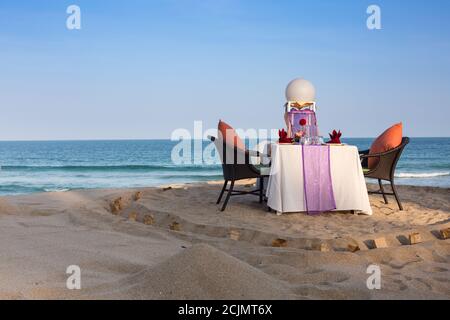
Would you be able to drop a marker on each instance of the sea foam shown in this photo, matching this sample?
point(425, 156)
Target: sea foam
point(422, 175)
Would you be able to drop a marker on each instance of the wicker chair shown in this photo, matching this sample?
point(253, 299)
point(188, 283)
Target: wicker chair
point(385, 169)
point(236, 166)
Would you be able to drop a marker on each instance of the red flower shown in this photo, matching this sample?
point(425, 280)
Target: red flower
point(303, 122)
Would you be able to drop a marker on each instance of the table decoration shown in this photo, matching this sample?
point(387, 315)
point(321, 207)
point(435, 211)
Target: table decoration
point(300, 109)
point(335, 137)
point(283, 137)
point(318, 187)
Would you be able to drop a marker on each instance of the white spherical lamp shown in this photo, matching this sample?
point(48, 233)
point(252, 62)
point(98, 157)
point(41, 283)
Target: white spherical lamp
point(300, 90)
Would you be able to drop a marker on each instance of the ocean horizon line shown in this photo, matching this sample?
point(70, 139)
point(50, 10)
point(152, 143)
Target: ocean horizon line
point(166, 139)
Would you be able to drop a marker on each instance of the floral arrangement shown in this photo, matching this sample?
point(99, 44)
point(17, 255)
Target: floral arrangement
point(301, 133)
point(298, 135)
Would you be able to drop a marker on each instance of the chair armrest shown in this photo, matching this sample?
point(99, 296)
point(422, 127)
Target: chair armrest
point(376, 155)
point(248, 153)
point(365, 161)
point(253, 153)
point(380, 156)
point(364, 152)
point(367, 156)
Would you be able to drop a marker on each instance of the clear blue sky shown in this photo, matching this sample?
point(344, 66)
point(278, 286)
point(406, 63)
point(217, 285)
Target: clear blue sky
point(140, 69)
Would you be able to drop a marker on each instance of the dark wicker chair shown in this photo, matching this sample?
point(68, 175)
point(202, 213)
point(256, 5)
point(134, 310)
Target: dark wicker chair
point(236, 166)
point(385, 169)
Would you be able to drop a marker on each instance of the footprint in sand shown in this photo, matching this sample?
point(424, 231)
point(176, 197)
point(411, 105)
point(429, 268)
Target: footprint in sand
point(402, 286)
point(434, 269)
point(313, 271)
point(441, 279)
point(399, 265)
point(423, 283)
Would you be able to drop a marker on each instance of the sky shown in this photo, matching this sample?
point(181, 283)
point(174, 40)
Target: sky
point(141, 69)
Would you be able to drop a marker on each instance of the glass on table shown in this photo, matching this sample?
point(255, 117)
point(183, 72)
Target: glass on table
point(307, 141)
point(318, 140)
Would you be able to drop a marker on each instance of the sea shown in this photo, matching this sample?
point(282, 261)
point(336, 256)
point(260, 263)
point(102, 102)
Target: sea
point(59, 166)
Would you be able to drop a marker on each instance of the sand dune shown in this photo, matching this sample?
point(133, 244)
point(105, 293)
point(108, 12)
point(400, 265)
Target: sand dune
point(172, 243)
point(200, 272)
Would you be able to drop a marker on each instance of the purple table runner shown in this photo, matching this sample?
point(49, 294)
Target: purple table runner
point(319, 195)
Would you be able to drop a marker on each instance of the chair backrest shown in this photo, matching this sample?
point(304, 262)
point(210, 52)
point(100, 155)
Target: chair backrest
point(235, 161)
point(399, 151)
point(388, 162)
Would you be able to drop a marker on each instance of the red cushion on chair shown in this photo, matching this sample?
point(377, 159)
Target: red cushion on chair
point(389, 140)
point(230, 136)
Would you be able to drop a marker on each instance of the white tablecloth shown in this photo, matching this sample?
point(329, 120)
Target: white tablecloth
point(285, 189)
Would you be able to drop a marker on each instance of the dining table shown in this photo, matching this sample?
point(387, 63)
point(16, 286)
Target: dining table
point(286, 186)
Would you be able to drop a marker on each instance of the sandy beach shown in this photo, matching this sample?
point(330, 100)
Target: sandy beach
point(173, 243)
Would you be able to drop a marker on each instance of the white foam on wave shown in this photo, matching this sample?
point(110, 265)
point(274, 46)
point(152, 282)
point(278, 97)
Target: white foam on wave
point(422, 175)
point(56, 190)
